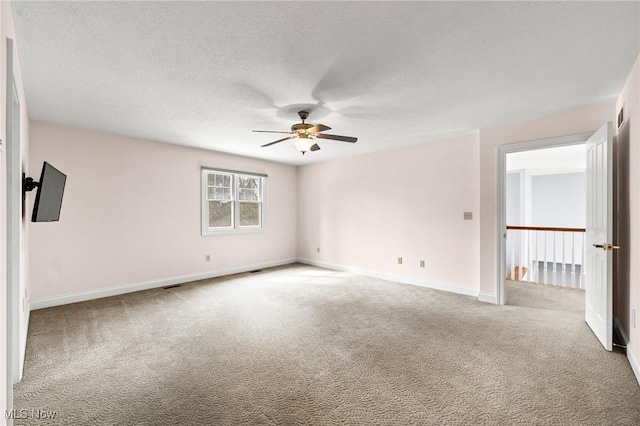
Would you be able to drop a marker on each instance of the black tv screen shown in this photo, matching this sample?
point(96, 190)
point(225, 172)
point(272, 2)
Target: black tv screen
point(49, 196)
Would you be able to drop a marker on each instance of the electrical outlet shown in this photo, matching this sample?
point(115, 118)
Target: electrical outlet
point(399, 261)
point(318, 249)
point(207, 258)
point(468, 215)
point(422, 263)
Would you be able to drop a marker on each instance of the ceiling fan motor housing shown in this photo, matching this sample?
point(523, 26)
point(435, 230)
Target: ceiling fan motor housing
point(300, 127)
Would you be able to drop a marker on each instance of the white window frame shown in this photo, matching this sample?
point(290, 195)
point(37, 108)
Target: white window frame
point(235, 227)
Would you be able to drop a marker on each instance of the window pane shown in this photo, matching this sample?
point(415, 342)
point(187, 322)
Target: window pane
point(249, 214)
point(222, 194)
point(211, 179)
point(248, 182)
point(248, 195)
point(220, 214)
point(249, 188)
point(211, 193)
point(223, 181)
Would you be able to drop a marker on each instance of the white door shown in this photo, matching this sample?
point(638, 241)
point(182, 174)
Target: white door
point(599, 235)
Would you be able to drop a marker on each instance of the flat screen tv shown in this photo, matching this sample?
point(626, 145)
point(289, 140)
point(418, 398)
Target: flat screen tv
point(49, 196)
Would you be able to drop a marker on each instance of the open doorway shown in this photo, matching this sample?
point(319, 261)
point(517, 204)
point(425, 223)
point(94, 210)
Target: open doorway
point(545, 216)
point(527, 247)
point(599, 243)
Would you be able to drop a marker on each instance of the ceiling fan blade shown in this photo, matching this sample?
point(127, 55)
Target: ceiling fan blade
point(268, 131)
point(314, 147)
point(318, 128)
point(336, 137)
point(279, 140)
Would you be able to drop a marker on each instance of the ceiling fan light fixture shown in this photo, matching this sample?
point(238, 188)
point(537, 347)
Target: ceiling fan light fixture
point(303, 143)
point(303, 135)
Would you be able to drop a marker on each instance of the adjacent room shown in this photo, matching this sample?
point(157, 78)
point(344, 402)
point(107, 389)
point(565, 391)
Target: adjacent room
point(326, 213)
point(545, 214)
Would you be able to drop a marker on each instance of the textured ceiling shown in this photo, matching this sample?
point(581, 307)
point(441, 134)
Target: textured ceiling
point(205, 74)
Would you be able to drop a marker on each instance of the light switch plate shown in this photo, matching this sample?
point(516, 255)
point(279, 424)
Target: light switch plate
point(468, 216)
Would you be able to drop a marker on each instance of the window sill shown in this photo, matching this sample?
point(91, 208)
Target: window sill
point(242, 231)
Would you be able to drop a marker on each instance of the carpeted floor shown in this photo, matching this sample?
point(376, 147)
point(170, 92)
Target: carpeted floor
point(299, 345)
point(542, 296)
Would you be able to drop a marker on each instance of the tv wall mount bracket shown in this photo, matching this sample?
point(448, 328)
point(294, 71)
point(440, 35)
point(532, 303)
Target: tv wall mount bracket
point(28, 184)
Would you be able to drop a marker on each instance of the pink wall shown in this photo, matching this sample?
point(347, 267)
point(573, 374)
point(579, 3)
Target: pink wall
point(570, 123)
point(131, 213)
point(414, 198)
point(365, 212)
point(627, 297)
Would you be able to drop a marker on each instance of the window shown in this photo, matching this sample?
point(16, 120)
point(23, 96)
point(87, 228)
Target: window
point(232, 201)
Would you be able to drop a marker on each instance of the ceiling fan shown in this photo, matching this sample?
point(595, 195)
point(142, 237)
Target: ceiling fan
point(303, 135)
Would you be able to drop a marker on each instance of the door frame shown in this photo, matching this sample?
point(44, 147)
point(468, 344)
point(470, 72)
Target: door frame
point(13, 227)
point(501, 191)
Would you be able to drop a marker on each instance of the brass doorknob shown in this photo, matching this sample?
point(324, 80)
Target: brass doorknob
point(607, 246)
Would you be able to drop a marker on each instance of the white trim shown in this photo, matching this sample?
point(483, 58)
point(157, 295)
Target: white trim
point(633, 359)
point(452, 288)
point(235, 227)
point(14, 278)
point(48, 302)
point(235, 172)
point(501, 220)
point(501, 226)
point(488, 297)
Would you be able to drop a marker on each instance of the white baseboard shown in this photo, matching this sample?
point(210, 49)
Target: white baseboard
point(147, 285)
point(452, 288)
point(483, 296)
point(634, 361)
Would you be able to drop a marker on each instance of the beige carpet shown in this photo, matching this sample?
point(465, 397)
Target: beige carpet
point(300, 345)
point(542, 296)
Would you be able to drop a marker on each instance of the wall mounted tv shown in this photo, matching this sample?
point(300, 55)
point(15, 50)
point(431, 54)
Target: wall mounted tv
point(49, 196)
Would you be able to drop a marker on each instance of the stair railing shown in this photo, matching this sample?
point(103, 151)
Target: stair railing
point(548, 255)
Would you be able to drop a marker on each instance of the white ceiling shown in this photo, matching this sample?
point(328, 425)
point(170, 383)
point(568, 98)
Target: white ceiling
point(561, 159)
point(205, 74)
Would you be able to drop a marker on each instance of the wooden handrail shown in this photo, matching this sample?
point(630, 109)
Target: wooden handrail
point(542, 228)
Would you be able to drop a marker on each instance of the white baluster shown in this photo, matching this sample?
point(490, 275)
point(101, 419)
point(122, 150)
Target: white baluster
point(573, 252)
point(513, 256)
point(537, 260)
point(564, 260)
point(554, 251)
point(545, 251)
point(527, 254)
point(582, 269)
point(534, 266)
